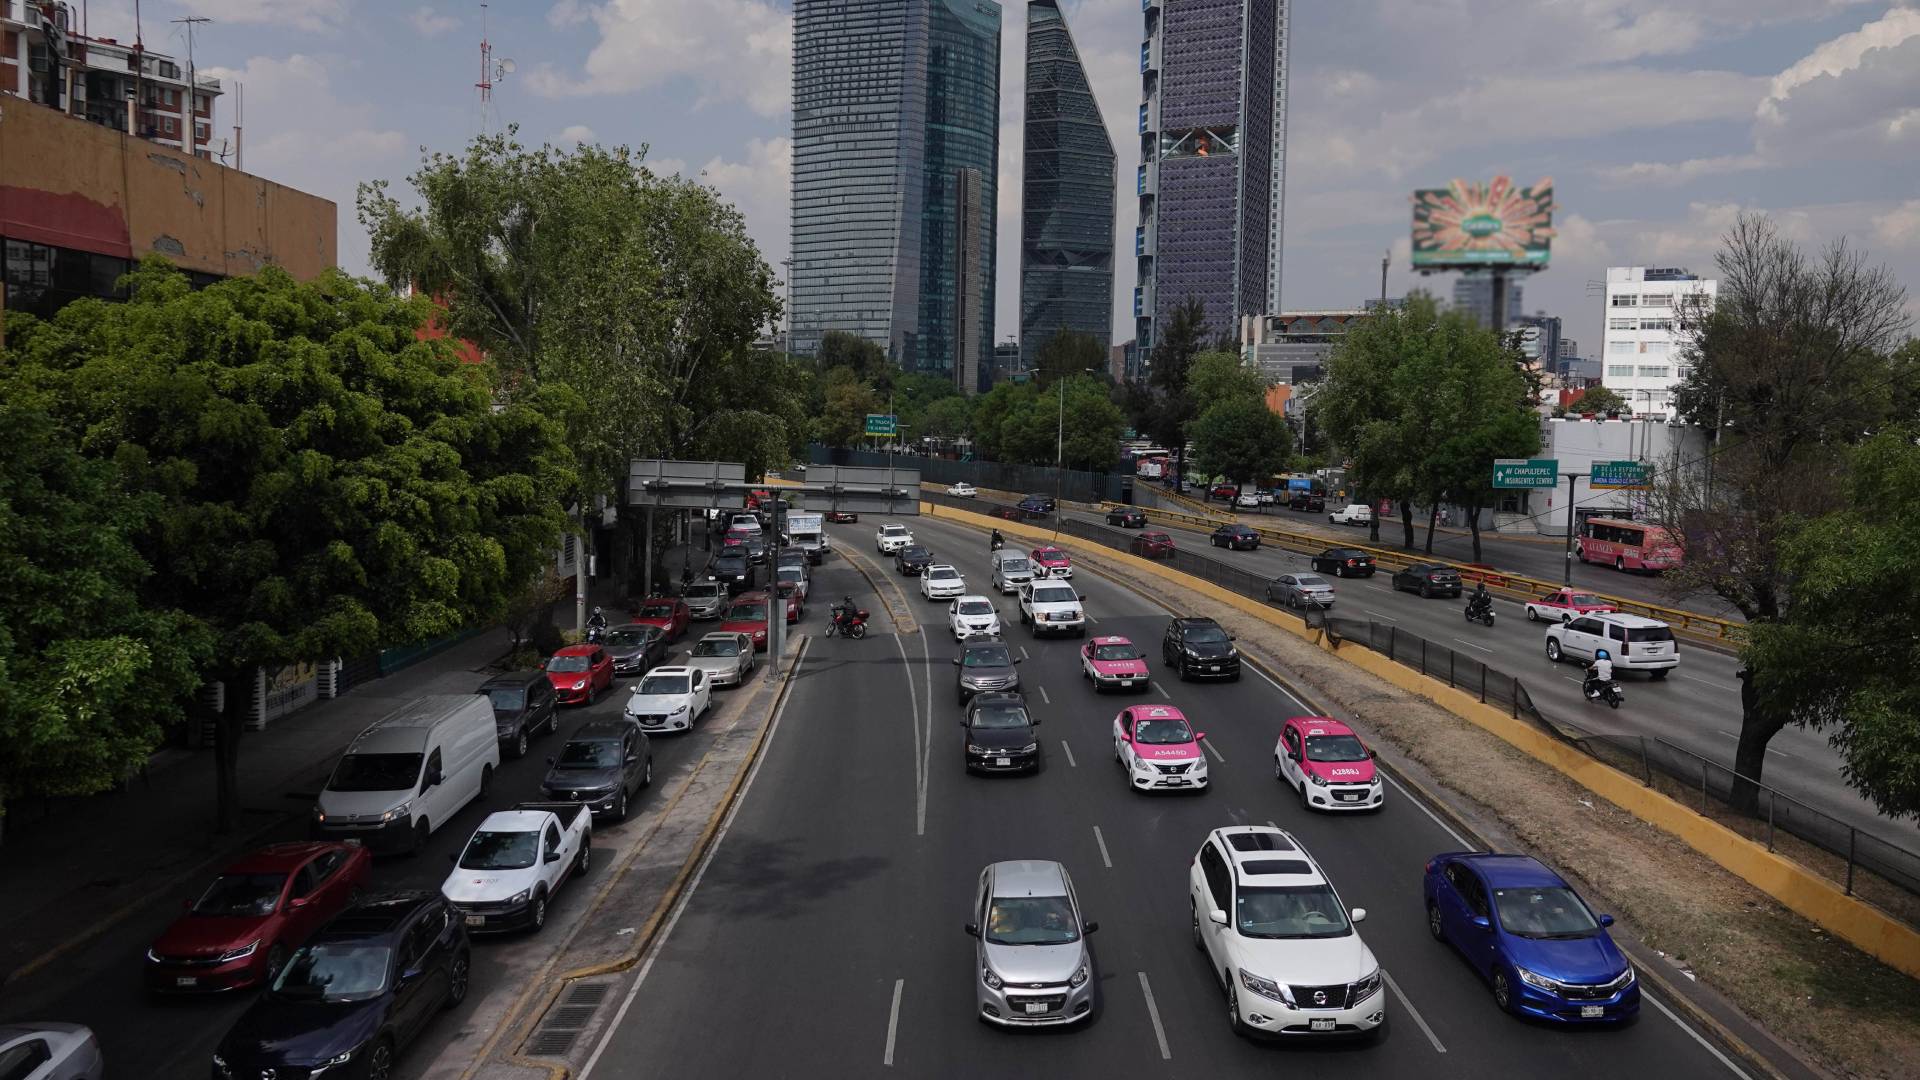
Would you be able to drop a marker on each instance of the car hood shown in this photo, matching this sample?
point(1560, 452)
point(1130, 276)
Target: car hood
point(1593, 959)
point(1054, 561)
point(657, 703)
point(566, 680)
point(558, 779)
point(301, 1032)
point(1306, 961)
point(625, 652)
point(713, 664)
point(208, 935)
point(1341, 772)
point(1167, 751)
point(976, 622)
point(1000, 738)
point(507, 718)
point(1035, 963)
point(1120, 667)
point(483, 886)
point(1208, 650)
point(743, 626)
point(361, 804)
point(1055, 605)
point(987, 672)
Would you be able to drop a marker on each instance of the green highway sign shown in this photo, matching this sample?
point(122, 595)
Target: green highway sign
point(882, 424)
point(1619, 474)
point(1526, 472)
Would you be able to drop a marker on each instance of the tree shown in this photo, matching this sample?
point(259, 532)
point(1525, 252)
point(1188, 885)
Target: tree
point(845, 403)
point(869, 362)
point(1841, 658)
point(947, 418)
point(991, 411)
point(1789, 368)
point(1171, 358)
point(326, 482)
point(89, 676)
point(1067, 353)
point(1242, 440)
point(1480, 406)
point(1361, 406)
point(1597, 400)
point(1092, 424)
point(1215, 378)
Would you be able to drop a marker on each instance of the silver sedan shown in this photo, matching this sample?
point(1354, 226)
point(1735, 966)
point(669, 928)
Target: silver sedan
point(726, 658)
point(1031, 966)
point(1301, 590)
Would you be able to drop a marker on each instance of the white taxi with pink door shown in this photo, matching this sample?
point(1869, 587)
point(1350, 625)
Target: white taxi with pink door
point(1328, 763)
point(1159, 750)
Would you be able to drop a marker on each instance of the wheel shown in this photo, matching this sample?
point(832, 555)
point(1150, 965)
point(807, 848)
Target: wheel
point(380, 1061)
point(1659, 673)
point(1433, 923)
point(520, 744)
point(1193, 914)
point(276, 959)
point(421, 833)
point(553, 721)
point(1306, 804)
point(537, 919)
point(1234, 1023)
point(486, 780)
point(1426, 592)
point(620, 806)
point(1619, 564)
point(1502, 991)
point(1553, 650)
point(1532, 615)
point(1614, 701)
point(1181, 668)
point(646, 777)
point(457, 979)
point(585, 858)
point(1278, 772)
point(858, 630)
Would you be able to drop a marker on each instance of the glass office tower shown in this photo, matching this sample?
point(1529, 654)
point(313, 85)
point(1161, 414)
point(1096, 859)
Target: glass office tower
point(962, 184)
point(1067, 176)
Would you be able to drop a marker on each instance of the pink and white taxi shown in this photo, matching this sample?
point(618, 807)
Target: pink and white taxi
point(1159, 750)
point(1328, 763)
point(1114, 662)
point(1055, 562)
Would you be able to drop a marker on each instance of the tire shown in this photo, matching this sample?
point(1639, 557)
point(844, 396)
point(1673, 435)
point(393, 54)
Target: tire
point(620, 807)
point(1659, 673)
point(276, 959)
point(1553, 650)
point(379, 1065)
point(520, 744)
point(1306, 804)
point(1434, 928)
point(422, 832)
point(1426, 592)
point(1193, 914)
point(1502, 992)
point(1532, 615)
point(646, 778)
point(1278, 773)
point(1613, 701)
point(486, 780)
point(459, 978)
point(553, 721)
point(537, 919)
point(1234, 1023)
point(1619, 564)
point(585, 858)
point(1182, 669)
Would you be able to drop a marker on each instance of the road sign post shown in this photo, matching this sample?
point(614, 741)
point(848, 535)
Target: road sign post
point(1619, 474)
point(882, 424)
point(1526, 472)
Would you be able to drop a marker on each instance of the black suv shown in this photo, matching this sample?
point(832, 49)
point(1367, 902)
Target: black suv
point(1198, 648)
point(523, 705)
point(1000, 735)
point(1344, 562)
point(603, 764)
point(1236, 537)
point(912, 559)
point(733, 571)
point(1130, 517)
point(1428, 579)
point(357, 992)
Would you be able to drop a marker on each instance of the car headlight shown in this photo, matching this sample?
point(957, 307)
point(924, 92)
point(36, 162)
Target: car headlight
point(679, 710)
point(580, 684)
point(520, 897)
point(152, 957)
point(1365, 987)
point(397, 812)
point(1030, 748)
point(972, 749)
point(1536, 980)
point(337, 1059)
point(1317, 780)
point(988, 977)
point(1266, 988)
point(240, 953)
point(1079, 978)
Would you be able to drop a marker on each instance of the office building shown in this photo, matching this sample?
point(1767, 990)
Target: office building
point(1645, 337)
point(1473, 294)
point(1213, 151)
point(895, 158)
point(1539, 337)
point(1293, 346)
point(1067, 176)
point(1007, 364)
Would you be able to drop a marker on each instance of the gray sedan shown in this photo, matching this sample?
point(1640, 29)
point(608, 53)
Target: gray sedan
point(726, 658)
point(1031, 963)
point(1301, 590)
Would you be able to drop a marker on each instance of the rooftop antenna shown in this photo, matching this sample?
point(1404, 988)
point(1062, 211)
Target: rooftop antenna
point(189, 129)
point(490, 72)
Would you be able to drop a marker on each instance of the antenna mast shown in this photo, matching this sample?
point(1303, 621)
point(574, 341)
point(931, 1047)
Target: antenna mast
point(189, 134)
point(490, 72)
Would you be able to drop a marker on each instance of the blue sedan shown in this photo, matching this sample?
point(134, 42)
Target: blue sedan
point(1530, 936)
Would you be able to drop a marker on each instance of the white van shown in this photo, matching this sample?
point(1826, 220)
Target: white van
point(1011, 569)
point(410, 772)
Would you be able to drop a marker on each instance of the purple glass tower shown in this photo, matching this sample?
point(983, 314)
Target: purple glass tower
point(1212, 173)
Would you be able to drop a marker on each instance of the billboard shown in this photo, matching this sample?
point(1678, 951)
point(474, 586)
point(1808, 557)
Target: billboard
point(1488, 224)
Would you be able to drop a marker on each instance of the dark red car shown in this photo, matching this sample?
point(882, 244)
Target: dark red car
point(796, 600)
point(579, 672)
point(842, 517)
point(666, 612)
point(1226, 491)
point(748, 615)
point(254, 915)
point(1152, 545)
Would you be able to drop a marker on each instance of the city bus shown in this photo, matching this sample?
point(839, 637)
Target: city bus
point(1305, 493)
point(1150, 463)
point(1626, 545)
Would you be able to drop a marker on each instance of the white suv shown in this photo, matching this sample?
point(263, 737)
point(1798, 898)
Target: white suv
point(1279, 939)
point(1632, 643)
point(1048, 607)
point(891, 538)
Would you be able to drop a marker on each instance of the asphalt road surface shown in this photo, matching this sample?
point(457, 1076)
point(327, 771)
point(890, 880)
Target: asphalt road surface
point(823, 938)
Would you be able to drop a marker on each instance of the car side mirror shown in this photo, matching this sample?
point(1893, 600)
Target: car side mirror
point(410, 975)
point(1019, 659)
point(972, 929)
point(1233, 637)
point(1358, 914)
point(1033, 721)
point(549, 759)
point(1218, 917)
point(1293, 755)
point(1483, 923)
point(1198, 735)
point(453, 858)
point(633, 759)
point(298, 902)
point(1606, 920)
point(956, 661)
point(552, 856)
point(1090, 928)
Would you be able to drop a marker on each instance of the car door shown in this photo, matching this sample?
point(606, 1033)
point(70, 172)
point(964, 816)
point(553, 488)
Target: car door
point(1481, 946)
point(540, 703)
point(1290, 755)
point(435, 792)
point(1450, 896)
point(1219, 883)
point(603, 669)
point(1170, 643)
point(1581, 637)
point(411, 989)
point(552, 843)
point(702, 693)
point(305, 904)
point(1122, 729)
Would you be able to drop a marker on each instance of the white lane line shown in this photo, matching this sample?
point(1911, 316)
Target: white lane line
point(1102, 841)
point(1068, 747)
point(1574, 681)
point(1153, 1013)
point(913, 721)
point(1444, 827)
point(1377, 615)
point(893, 1020)
point(1710, 682)
point(1217, 756)
point(1023, 653)
point(1770, 750)
point(1163, 691)
point(1044, 697)
point(1697, 1037)
point(1407, 1003)
point(1471, 645)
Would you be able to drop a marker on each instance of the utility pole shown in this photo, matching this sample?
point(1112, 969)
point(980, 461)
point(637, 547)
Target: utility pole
point(193, 81)
point(1571, 478)
point(1386, 260)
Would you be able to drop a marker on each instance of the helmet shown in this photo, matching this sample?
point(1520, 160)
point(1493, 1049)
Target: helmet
point(1601, 654)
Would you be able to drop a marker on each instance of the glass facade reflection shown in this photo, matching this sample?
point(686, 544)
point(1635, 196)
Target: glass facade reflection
point(962, 170)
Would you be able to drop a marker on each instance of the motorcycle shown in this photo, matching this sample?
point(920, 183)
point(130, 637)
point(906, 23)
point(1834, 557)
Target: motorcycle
point(848, 622)
point(1481, 612)
point(1608, 692)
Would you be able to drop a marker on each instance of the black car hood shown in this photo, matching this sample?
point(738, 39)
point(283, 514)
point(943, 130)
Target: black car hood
point(986, 672)
point(1000, 738)
point(1208, 650)
point(274, 1031)
point(571, 779)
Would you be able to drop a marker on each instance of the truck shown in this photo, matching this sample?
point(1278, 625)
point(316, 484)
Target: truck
point(808, 533)
point(1352, 514)
point(1049, 607)
point(515, 862)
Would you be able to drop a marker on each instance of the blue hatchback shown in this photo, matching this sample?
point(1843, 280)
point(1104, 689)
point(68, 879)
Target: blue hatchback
point(1543, 950)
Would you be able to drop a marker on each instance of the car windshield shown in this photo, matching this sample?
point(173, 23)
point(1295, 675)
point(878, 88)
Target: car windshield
point(1335, 748)
point(941, 573)
point(508, 699)
point(1013, 565)
point(1154, 538)
point(975, 607)
point(500, 851)
point(1162, 732)
point(1054, 596)
point(705, 591)
point(1544, 913)
point(1205, 635)
point(334, 971)
point(791, 573)
point(635, 636)
point(893, 530)
point(914, 553)
point(747, 613)
point(657, 611)
point(1312, 581)
point(1115, 652)
point(717, 648)
point(1031, 920)
point(1289, 911)
point(241, 895)
point(1050, 554)
point(566, 664)
point(664, 684)
point(1586, 599)
point(1000, 716)
point(730, 563)
point(1649, 633)
point(589, 754)
point(375, 772)
point(993, 656)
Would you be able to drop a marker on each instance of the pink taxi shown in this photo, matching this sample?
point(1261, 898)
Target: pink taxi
point(1328, 763)
point(1159, 750)
point(1053, 560)
point(1114, 662)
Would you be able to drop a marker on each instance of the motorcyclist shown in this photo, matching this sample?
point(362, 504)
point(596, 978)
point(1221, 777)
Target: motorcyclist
point(841, 610)
point(1480, 600)
point(1599, 673)
point(596, 624)
point(996, 542)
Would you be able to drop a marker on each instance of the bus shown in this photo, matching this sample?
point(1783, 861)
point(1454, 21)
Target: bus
point(1626, 545)
point(1305, 493)
point(1150, 463)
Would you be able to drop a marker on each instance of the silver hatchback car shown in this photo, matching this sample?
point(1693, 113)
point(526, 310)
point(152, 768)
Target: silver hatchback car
point(1031, 962)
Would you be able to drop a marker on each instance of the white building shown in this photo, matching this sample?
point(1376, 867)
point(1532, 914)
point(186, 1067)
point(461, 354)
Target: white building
point(1644, 336)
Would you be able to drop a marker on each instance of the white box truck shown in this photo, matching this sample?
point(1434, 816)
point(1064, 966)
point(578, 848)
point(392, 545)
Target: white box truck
point(808, 533)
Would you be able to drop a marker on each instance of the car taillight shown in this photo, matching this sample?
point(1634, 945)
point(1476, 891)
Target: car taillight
point(1353, 562)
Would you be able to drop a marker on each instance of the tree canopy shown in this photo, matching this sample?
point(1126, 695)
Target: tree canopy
point(1024, 424)
point(1598, 400)
point(1068, 353)
point(1242, 440)
point(1216, 378)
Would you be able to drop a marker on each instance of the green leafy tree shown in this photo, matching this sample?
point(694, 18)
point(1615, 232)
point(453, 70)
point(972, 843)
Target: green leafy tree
point(947, 418)
point(1065, 354)
point(840, 349)
point(845, 403)
point(1242, 440)
point(326, 483)
point(1093, 424)
point(992, 410)
point(1166, 419)
point(1598, 400)
point(1216, 378)
point(1479, 404)
point(1361, 406)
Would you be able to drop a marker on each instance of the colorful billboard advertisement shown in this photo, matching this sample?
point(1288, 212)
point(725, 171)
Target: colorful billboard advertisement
point(1483, 224)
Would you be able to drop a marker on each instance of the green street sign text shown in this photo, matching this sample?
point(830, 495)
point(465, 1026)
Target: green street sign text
point(1619, 474)
point(1526, 472)
point(882, 424)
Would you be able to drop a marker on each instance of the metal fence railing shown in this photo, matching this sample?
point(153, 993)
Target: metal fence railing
point(1071, 483)
point(1873, 866)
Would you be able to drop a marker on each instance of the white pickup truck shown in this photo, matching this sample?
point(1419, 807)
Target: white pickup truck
point(1352, 514)
point(1052, 607)
point(516, 861)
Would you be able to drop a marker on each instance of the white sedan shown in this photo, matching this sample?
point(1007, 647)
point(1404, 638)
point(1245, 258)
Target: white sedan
point(962, 490)
point(50, 1050)
point(941, 582)
point(973, 616)
point(670, 699)
point(891, 538)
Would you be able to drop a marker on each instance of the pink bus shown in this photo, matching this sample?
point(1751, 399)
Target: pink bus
point(1626, 545)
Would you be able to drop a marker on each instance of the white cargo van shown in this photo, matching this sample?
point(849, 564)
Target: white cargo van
point(410, 772)
point(808, 533)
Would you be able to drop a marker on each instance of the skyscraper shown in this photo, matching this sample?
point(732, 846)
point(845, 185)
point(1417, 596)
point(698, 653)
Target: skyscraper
point(1067, 175)
point(1213, 160)
point(895, 163)
point(1473, 294)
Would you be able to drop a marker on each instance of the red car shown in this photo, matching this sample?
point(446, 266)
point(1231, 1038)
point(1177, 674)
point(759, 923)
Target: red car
point(255, 914)
point(796, 599)
point(1566, 605)
point(1152, 545)
point(1226, 491)
point(748, 616)
point(666, 612)
point(579, 672)
point(842, 517)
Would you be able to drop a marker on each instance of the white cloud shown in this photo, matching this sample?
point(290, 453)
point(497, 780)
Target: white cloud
point(576, 133)
point(1642, 174)
point(309, 15)
point(1852, 97)
point(567, 13)
point(1900, 226)
point(730, 50)
point(758, 185)
point(431, 23)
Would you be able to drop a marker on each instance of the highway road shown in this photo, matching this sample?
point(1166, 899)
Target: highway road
point(1697, 707)
point(823, 936)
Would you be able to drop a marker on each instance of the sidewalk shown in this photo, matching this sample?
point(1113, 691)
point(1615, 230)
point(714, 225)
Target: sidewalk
point(77, 872)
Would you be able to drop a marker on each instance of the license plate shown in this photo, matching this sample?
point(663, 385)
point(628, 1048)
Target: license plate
point(186, 980)
point(1034, 1008)
point(476, 920)
point(1175, 783)
point(1213, 667)
point(1320, 1025)
point(1588, 1012)
point(1003, 762)
point(1126, 682)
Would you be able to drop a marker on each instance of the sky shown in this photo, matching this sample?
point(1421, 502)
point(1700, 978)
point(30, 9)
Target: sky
point(1658, 121)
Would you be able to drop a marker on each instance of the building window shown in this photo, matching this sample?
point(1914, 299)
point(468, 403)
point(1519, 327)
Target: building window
point(199, 103)
point(1653, 371)
point(1656, 300)
point(1619, 346)
point(1626, 300)
point(1619, 371)
point(200, 133)
point(1622, 324)
point(166, 124)
point(1656, 324)
point(1655, 348)
point(173, 99)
